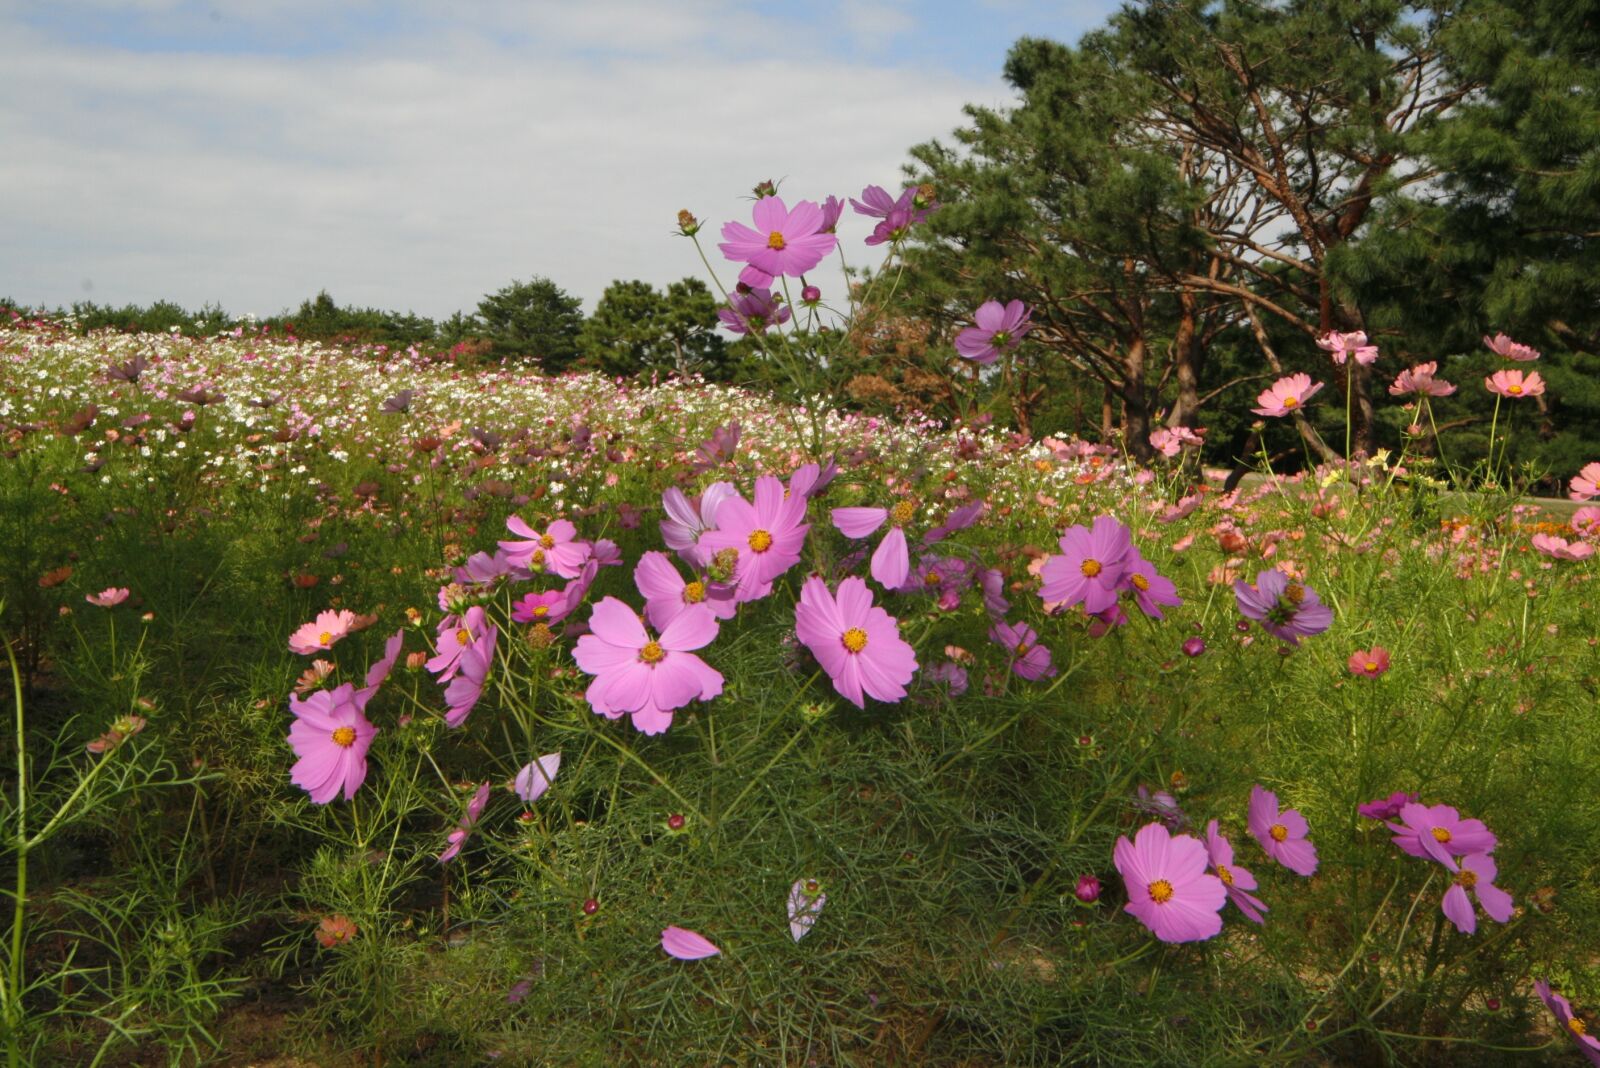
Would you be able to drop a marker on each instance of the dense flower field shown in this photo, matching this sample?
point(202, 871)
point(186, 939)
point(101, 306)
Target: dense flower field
point(457, 713)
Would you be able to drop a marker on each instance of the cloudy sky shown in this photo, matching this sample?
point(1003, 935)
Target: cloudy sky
point(414, 155)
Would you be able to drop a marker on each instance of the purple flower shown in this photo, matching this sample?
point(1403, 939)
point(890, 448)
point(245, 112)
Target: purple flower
point(857, 643)
point(1386, 808)
point(688, 519)
point(535, 778)
point(999, 328)
point(1475, 873)
point(666, 593)
point(331, 735)
point(1570, 1023)
point(1090, 566)
point(784, 241)
point(556, 549)
point(456, 635)
point(1437, 832)
point(1087, 889)
point(1150, 589)
point(1236, 880)
point(1282, 834)
point(458, 837)
point(545, 606)
point(768, 535)
point(1169, 890)
point(1286, 609)
point(1029, 659)
point(1163, 806)
point(754, 312)
point(464, 691)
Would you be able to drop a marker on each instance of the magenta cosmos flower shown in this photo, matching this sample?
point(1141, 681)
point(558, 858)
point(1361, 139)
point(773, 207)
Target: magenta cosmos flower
point(754, 312)
point(555, 549)
point(1282, 833)
point(1419, 379)
point(1169, 890)
point(1237, 881)
point(1501, 345)
point(1029, 659)
point(999, 328)
point(1369, 662)
point(455, 636)
point(1354, 344)
point(667, 593)
point(1089, 569)
point(1476, 873)
point(784, 242)
point(458, 837)
point(1512, 383)
point(1286, 395)
point(322, 632)
point(684, 944)
point(1585, 485)
point(1151, 590)
point(464, 691)
point(1286, 609)
point(331, 735)
point(1437, 832)
point(767, 535)
point(688, 519)
point(644, 676)
point(1386, 808)
point(1570, 1023)
point(544, 606)
point(857, 643)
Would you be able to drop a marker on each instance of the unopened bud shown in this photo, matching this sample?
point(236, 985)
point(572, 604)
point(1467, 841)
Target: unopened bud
point(766, 188)
point(688, 225)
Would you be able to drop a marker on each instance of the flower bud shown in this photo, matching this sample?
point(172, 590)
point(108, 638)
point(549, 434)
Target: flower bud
point(1194, 647)
point(1087, 890)
point(810, 296)
point(688, 225)
point(766, 188)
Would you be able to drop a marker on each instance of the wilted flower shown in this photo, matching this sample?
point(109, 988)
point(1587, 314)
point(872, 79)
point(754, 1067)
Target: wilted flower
point(805, 905)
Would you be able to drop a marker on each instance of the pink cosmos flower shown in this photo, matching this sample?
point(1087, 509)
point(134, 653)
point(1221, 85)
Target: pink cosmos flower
point(1089, 569)
point(458, 837)
point(1475, 873)
point(1286, 609)
point(1501, 345)
point(1386, 808)
point(1286, 395)
point(1000, 328)
point(646, 677)
point(666, 593)
point(1419, 379)
point(857, 643)
point(754, 312)
point(535, 778)
point(784, 242)
point(115, 595)
point(1369, 662)
point(1511, 383)
point(1236, 880)
point(461, 696)
point(544, 606)
point(322, 632)
point(767, 535)
point(1029, 659)
point(805, 905)
point(684, 944)
point(1570, 1022)
point(891, 560)
point(688, 519)
point(1169, 890)
point(1561, 548)
point(456, 634)
point(1585, 485)
point(556, 549)
point(1355, 343)
point(1282, 834)
point(331, 736)
point(1169, 441)
point(1437, 832)
point(1585, 522)
point(1151, 590)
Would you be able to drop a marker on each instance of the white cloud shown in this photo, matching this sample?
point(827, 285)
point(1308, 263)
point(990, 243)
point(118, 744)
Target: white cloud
point(437, 168)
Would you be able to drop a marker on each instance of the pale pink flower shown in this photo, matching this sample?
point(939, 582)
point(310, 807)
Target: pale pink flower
point(1286, 395)
point(1501, 345)
point(110, 598)
point(1511, 383)
point(1355, 343)
point(1585, 486)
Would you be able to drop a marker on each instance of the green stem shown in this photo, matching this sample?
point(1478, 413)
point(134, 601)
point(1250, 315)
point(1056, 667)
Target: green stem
point(13, 989)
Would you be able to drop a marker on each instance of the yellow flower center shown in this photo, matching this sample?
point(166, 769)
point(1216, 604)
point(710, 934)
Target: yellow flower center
point(325, 638)
point(854, 639)
point(1224, 874)
point(1513, 390)
point(931, 579)
point(1372, 665)
point(463, 637)
point(1278, 832)
point(651, 652)
point(1442, 835)
point(1090, 568)
point(1294, 593)
point(1467, 878)
point(540, 611)
point(694, 592)
point(1021, 649)
point(775, 241)
point(1140, 583)
point(344, 737)
point(547, 541)
point(1291, 402)
point(902, 513)
point(760, 541)
point(1577, 1027)
point(1160, 891)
